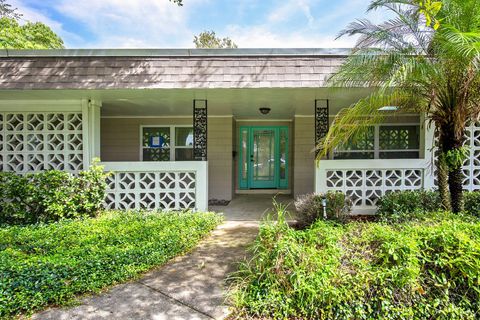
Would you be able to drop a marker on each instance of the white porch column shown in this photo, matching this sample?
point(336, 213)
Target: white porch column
point(428, 145)
point(320, 177)
point(201, 203)
point(91, 140)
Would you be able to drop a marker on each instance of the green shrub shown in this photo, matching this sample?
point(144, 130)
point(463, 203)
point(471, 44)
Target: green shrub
point(472, 203)
point(51, 263)
point(51, 195)
point(309, 207)
point(425, 269)
point(400, 205)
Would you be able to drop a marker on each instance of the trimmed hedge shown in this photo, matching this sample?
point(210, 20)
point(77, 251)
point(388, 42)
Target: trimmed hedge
point(403, 205)
point(51, 195)
point(51, 263)
point(427, 269)
point(472, 203)
point(400, 205)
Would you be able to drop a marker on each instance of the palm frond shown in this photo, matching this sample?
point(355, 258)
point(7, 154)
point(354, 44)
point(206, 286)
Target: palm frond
point(459, 44)
point(352, 123)
point(378, 4)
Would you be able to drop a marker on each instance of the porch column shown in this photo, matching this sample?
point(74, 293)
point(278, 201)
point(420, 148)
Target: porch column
point(91, 140)
point(200, 122)
point(428, 145)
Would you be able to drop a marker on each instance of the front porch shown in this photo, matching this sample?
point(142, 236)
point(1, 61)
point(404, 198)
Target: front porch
point(137, 111)
point(163, 155)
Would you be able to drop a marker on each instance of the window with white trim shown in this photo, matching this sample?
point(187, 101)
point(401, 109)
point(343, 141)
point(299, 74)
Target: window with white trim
point(166, 143)
point(385, 141)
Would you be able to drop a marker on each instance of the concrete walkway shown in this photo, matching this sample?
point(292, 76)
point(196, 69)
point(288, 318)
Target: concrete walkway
point(253, 207)
point(189, 287)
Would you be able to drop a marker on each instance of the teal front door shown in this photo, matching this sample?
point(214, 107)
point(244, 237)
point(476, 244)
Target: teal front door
point(264, 157)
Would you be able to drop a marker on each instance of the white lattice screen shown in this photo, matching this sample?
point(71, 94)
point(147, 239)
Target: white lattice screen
point(471, 167)
point(151, 190)
point(364, 187)
point(35, 141)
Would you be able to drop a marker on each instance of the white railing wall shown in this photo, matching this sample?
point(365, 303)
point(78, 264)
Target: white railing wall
point(364, 181)
point(167, 186)
point(471, 167)
point(37, 135)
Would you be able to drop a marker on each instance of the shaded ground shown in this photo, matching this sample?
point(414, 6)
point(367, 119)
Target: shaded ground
point(253, 207)
point(189, 287)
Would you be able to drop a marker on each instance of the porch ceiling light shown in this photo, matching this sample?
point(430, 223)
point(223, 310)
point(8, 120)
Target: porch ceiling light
point(264, 110)
point(388, 108)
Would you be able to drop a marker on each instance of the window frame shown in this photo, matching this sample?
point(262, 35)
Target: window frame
point(376, 142)
point(172, 144)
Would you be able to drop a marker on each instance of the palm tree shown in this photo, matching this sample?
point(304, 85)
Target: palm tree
point(418, 61)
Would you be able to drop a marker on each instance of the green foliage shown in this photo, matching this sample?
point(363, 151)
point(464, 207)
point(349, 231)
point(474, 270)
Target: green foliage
point(427, 269)
point(208, 40)
point(309, 207)
point(6, 10)
point(51, 195)
point(472, 203)
point(456, 157)
point(31, 35)
point(422, 59)
point(429, 9)
point(50, 264)
point(401, 205)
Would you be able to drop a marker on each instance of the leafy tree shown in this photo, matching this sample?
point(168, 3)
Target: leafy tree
point(209, 40)
point(30, 35)
point(6, 10)
point(424, 59)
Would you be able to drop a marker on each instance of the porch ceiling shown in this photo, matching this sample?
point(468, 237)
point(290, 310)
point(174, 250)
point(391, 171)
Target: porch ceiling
point(241, 103)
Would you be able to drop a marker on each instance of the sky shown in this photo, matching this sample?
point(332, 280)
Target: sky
point(162, 24)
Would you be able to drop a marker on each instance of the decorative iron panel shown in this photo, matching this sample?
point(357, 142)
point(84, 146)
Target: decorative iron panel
point(200, 119)
point(321, 121)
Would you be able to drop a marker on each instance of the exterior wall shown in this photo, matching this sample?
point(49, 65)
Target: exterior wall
point(303, 163)
point(220, 136)
point(288, 124)
point(120, 137)
point(120, 141)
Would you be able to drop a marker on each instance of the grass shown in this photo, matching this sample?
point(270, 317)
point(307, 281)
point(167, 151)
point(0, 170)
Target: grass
point(428, 268)
point(49, 264)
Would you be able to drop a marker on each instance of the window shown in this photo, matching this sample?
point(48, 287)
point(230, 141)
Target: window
point(383, 142)
point(363, 147)
point(167, 143)
point(399, 142)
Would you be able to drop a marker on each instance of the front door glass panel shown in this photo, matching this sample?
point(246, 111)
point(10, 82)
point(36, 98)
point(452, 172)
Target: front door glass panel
point(263, 156)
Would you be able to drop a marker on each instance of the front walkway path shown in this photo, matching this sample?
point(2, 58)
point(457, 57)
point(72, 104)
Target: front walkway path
point(189, 287)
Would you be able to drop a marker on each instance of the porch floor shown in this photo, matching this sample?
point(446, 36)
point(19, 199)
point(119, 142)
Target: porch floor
point(253, 207)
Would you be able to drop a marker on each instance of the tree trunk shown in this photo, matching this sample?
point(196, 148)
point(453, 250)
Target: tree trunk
point(455, 183)
point(442, 181)
point(450, 142)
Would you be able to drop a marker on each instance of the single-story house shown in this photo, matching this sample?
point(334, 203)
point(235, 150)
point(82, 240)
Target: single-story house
point(180, 127)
